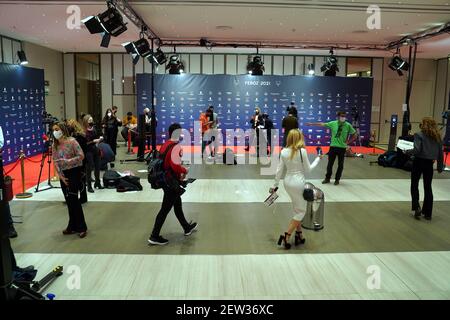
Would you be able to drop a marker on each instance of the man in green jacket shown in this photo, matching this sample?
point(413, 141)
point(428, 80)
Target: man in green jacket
point(340, 131)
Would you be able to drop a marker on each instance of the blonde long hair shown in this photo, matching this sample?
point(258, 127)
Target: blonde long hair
point(76, 126)
point(295, 141)
point(429, 128)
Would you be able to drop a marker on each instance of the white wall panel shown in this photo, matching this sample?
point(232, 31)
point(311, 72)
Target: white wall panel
point(288, 65)
point(267, 64)
point(117, 73)
point(194, 65)
point(106, 77)
point(342, 63)
point(16, 47)
point(242, 64)
point(318, 63)
point(207, 64)
point(278, 65)
point(7, 51)
point(231, 63)
point(299, 65)
point(69, 86)
point(219, 64)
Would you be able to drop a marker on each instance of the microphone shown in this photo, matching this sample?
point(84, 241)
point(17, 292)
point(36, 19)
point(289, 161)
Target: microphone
point(45, 137)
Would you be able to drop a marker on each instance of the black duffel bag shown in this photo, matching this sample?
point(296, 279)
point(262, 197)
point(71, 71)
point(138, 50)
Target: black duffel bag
point(129, 183)
point(111, 179)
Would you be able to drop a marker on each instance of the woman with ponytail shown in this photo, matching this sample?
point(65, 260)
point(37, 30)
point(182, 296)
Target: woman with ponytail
point(427, 150)
point(295, 158)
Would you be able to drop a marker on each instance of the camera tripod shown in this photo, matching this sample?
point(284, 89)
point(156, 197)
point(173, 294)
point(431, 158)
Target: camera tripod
point(46, 154)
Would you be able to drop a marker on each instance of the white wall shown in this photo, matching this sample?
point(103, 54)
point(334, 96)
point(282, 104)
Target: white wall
point(52, 63)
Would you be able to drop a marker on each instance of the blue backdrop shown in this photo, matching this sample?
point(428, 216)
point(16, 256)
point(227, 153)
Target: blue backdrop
point(22, 104)
point(181, 98)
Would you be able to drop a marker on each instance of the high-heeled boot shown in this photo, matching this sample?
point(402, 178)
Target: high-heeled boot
point(298, 238)
point(283, 240)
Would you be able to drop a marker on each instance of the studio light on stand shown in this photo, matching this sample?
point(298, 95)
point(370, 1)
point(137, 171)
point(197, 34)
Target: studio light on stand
point(256, 66)
point(311, 70)
point(109, 23)
point(139, 48)
point(330, 67)
point(22, 57)
point(398, 64)
point(175, 65)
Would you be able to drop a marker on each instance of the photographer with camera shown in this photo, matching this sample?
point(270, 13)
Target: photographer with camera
point(93, 152)
point(175, 173)
point(68, 158)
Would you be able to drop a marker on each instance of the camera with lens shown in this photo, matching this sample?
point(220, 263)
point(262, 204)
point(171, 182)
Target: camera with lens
point(48, 119)
point(446, 114)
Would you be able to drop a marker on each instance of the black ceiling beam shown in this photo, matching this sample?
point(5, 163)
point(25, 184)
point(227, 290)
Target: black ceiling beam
point(124, 7)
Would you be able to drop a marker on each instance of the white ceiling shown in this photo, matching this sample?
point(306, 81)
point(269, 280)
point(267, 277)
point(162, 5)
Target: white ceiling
point(288, 21)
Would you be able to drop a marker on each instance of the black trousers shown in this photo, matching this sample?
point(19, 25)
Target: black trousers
point(170, 200)
point(332, 154)
point(111, 138)
point(425, 167)
point(92, 164)
point(83, 188)
point(76, 215)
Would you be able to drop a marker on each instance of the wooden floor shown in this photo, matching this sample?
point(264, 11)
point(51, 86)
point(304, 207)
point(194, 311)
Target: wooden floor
point(234, 254)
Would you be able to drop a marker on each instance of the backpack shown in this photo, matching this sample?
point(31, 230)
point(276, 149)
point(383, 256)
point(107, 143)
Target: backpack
point(156, 172)
point(111, 179)
point(388, 159)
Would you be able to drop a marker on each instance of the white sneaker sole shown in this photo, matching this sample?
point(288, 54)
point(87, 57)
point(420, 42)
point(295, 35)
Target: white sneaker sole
point(157, 243)
point(190, 232)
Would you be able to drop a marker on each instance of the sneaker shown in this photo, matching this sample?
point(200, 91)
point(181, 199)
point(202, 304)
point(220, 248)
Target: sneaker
point(192, 227)
point(326, 181)
point(336, 183)
point(160, 241)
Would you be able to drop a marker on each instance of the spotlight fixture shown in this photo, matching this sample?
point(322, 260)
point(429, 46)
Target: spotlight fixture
point(22, 57)
point(139, 48)
point(159, 57)
point(206, 43)
point(256, 66)
point(398, 64)
point(330, 67)
point(311, 70)
point(109, 23)
point(175, 66)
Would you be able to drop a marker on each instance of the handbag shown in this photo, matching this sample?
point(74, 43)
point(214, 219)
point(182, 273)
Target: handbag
point(308, 194)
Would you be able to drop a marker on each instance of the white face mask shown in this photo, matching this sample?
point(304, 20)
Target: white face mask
point(57, 134)
point(109, 114)
point(342, 119)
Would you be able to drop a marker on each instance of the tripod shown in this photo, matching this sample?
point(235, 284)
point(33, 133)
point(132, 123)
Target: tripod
point(46, 154)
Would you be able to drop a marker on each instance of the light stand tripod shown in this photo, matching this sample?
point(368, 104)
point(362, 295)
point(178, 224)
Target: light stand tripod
point(355, 124)
point(46, 154)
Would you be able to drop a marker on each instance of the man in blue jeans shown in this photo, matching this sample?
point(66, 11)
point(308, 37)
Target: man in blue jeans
point(340, 131)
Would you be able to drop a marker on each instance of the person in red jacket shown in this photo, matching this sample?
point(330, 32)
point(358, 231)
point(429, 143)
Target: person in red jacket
point(172, 165)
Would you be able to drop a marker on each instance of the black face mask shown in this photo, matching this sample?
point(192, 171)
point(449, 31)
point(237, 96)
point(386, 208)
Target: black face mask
point(129, 117)
point(90, 125)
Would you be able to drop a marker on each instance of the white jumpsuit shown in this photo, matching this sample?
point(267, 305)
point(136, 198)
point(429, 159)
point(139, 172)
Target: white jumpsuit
point(294, 181)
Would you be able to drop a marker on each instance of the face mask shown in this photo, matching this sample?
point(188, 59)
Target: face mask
point(109, 114)
point(342, 119)
point(90, 124)
point(57, 134)
point(129, 118)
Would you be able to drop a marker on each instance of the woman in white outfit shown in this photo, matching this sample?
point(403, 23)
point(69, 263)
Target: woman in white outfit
point(295, 158)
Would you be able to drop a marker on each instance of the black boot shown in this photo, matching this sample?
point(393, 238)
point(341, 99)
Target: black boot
point(283, 241)
point(98, 185)
point(298, 238)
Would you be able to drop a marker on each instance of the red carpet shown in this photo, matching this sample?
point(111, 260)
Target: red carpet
point(32, 167)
